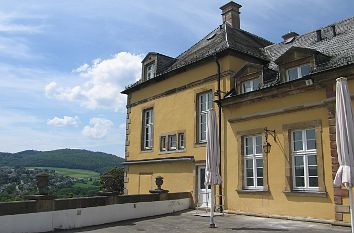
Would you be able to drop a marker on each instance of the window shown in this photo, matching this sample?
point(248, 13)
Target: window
point(251, 85)
point(163, 143)
point(172, 142)
point(150, 71)
point(148, 128)
point(204, 104)
point(298, 72)
point(181, 141)
point(304, 159)
point(253, 162)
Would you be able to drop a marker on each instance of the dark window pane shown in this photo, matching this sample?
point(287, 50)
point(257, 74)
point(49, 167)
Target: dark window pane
point(259, 145)
point(249, 150)
point(299, 171)
point(259, 140)
point(249, 172)
point(256, 83)
point(310, 134)
point(202, 178)
point(250, 182)
point(299, 182)
point(259, 181)
point(249, 163)
point(299, 161)
point(298, 146)
point(313, 182)
point(259, 162)
point(311, 160)
point(259, 172)
point(292, 74)
point(312, 170)
point(246, 86)
point(297, 135)
point(259, 149)
point(305, 69)
point(311, 144)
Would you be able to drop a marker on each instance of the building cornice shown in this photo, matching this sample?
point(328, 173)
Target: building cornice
point(160, 160)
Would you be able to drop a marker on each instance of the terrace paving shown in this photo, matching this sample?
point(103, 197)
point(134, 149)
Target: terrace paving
point(186, 222)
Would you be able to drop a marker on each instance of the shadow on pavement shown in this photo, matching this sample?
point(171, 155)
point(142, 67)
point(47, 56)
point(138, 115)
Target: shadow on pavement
point(130, 222)
point(257, 229)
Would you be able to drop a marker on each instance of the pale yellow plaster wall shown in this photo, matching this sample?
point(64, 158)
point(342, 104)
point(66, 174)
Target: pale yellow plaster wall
point(178, 176)
point(276, 202)
point(174, 112)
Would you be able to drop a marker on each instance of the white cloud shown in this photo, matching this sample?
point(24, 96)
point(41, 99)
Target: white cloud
point(98, 128)
point(66, 120)
point(104, 80)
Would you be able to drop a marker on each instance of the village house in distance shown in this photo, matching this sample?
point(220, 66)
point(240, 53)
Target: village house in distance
point(278, 150)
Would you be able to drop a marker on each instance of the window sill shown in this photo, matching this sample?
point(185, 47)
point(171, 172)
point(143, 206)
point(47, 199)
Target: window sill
point(147, 151)
point(200, 144)
point(171, 152)
point(252, 191)
point(305, 193)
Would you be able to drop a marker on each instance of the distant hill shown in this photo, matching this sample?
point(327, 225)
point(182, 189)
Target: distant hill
point(65, 158)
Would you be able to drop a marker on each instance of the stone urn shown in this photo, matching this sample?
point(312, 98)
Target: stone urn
point(108, 183)
point(158, 182)
point(42, 183)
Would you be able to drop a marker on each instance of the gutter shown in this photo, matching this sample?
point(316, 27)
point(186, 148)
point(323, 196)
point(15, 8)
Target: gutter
point(219, 108)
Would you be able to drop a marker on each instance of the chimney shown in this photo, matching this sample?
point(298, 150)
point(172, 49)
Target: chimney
point(334, 29)
point(231, 14)
point(319, 35)
point(289, 37)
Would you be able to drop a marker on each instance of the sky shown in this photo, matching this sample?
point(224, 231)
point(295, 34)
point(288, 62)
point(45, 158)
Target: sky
point(63, 63)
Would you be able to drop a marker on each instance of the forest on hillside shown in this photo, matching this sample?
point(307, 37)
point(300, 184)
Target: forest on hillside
point(64, 158)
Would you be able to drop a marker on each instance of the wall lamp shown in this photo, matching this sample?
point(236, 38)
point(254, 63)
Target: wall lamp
point(267, 146)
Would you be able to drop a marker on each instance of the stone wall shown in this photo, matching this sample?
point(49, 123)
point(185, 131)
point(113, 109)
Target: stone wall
point(45, 215)
point(44, 205)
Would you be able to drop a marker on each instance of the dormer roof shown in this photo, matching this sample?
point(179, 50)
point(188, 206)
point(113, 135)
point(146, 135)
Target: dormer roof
point(301, 50)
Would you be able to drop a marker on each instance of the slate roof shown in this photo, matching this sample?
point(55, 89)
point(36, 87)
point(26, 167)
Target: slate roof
point(163, 62)
point(339, 47)
point(222, 38)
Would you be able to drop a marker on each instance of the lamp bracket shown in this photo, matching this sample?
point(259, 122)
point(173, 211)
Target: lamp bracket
point(271, 133)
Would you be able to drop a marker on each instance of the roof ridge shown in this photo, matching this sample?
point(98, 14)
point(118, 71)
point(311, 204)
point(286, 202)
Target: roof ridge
point(160, 54)
point(195, 44)
point(254, 35)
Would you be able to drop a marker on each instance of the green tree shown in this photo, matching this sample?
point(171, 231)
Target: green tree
point(118, 177)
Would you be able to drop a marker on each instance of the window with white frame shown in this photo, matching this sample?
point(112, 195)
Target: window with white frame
point(148, 128)
point(163, 143)
point(304, 159)
point(150, 71)
point(253, 162)
point(181, 141)
point(172, 142)
point(251, 85)
point(298, 72)
point(204, 104)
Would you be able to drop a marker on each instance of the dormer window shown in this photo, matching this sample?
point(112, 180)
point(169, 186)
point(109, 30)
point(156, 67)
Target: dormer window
point(251, 85)
point(150, 70)
point(298, 72)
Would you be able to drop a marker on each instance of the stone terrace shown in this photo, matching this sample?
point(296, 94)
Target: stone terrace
point(186, 222)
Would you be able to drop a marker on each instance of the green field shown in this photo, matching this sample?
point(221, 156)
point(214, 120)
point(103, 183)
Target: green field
point(76, 173)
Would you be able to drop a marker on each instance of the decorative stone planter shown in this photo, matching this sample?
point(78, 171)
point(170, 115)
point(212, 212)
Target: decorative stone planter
point(158, 182)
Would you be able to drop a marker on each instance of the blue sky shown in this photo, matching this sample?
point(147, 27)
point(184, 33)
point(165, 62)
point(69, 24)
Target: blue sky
point(64, 62)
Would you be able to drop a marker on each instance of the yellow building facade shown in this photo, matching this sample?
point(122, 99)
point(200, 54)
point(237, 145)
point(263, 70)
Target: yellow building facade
point(278, 152)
